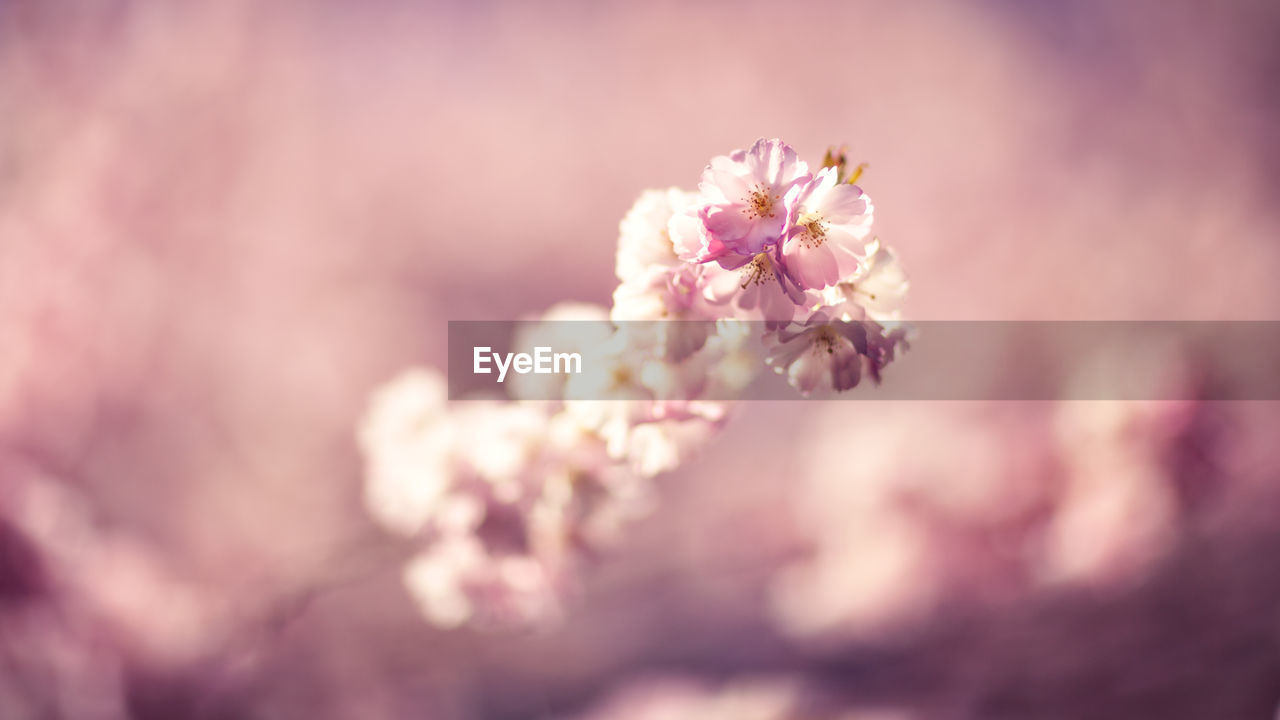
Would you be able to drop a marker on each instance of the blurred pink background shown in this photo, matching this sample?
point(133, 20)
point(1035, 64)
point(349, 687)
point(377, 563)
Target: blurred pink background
point(222, 224)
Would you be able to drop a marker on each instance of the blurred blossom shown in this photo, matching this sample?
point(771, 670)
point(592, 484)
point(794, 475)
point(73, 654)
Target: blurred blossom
point(120, 581)
point(644, 243)
point(223, 223)
point(758, 698)
point(888, 507)
point(502, 495)
point(56, 665)
point(938, 503)
point(457, 580)
point(406, 439)
point(506, 496)
point(630, 388)
point(1119, 507)
point(656, 285)
point(102, 602)
point(567, 327)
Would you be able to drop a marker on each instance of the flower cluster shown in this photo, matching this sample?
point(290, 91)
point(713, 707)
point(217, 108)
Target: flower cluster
point(506, 498)
point(769, 241)
point(502, 497)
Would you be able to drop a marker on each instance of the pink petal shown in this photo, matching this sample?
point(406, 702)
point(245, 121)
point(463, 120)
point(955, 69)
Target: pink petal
point(811, 268)
point(726, 224)
point(806, 372)
point(686, 231)
point(844, 203)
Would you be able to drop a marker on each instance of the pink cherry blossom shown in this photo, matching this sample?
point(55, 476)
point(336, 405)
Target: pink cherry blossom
point(827, 351)
point(757, 290)
point(741, 210)
point(829, 232)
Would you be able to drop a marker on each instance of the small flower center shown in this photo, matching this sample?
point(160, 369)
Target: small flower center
point(621, 376)
point(758, 271)
point(814, 231)
point(825, 338)
point(760, 204)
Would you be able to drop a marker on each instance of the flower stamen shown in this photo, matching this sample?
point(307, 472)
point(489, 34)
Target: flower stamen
point(758, 271)
point(825, 338)
point(621, 377)
point(760, 204)
point(814, 232)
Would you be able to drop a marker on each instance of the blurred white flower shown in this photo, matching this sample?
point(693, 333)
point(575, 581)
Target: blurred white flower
point(657, 286)
point(649, 411)
point(503, 496)
point(876, 292)
point(456, 581)
point(407, 441)
point(569, 327)
point(644, 244)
